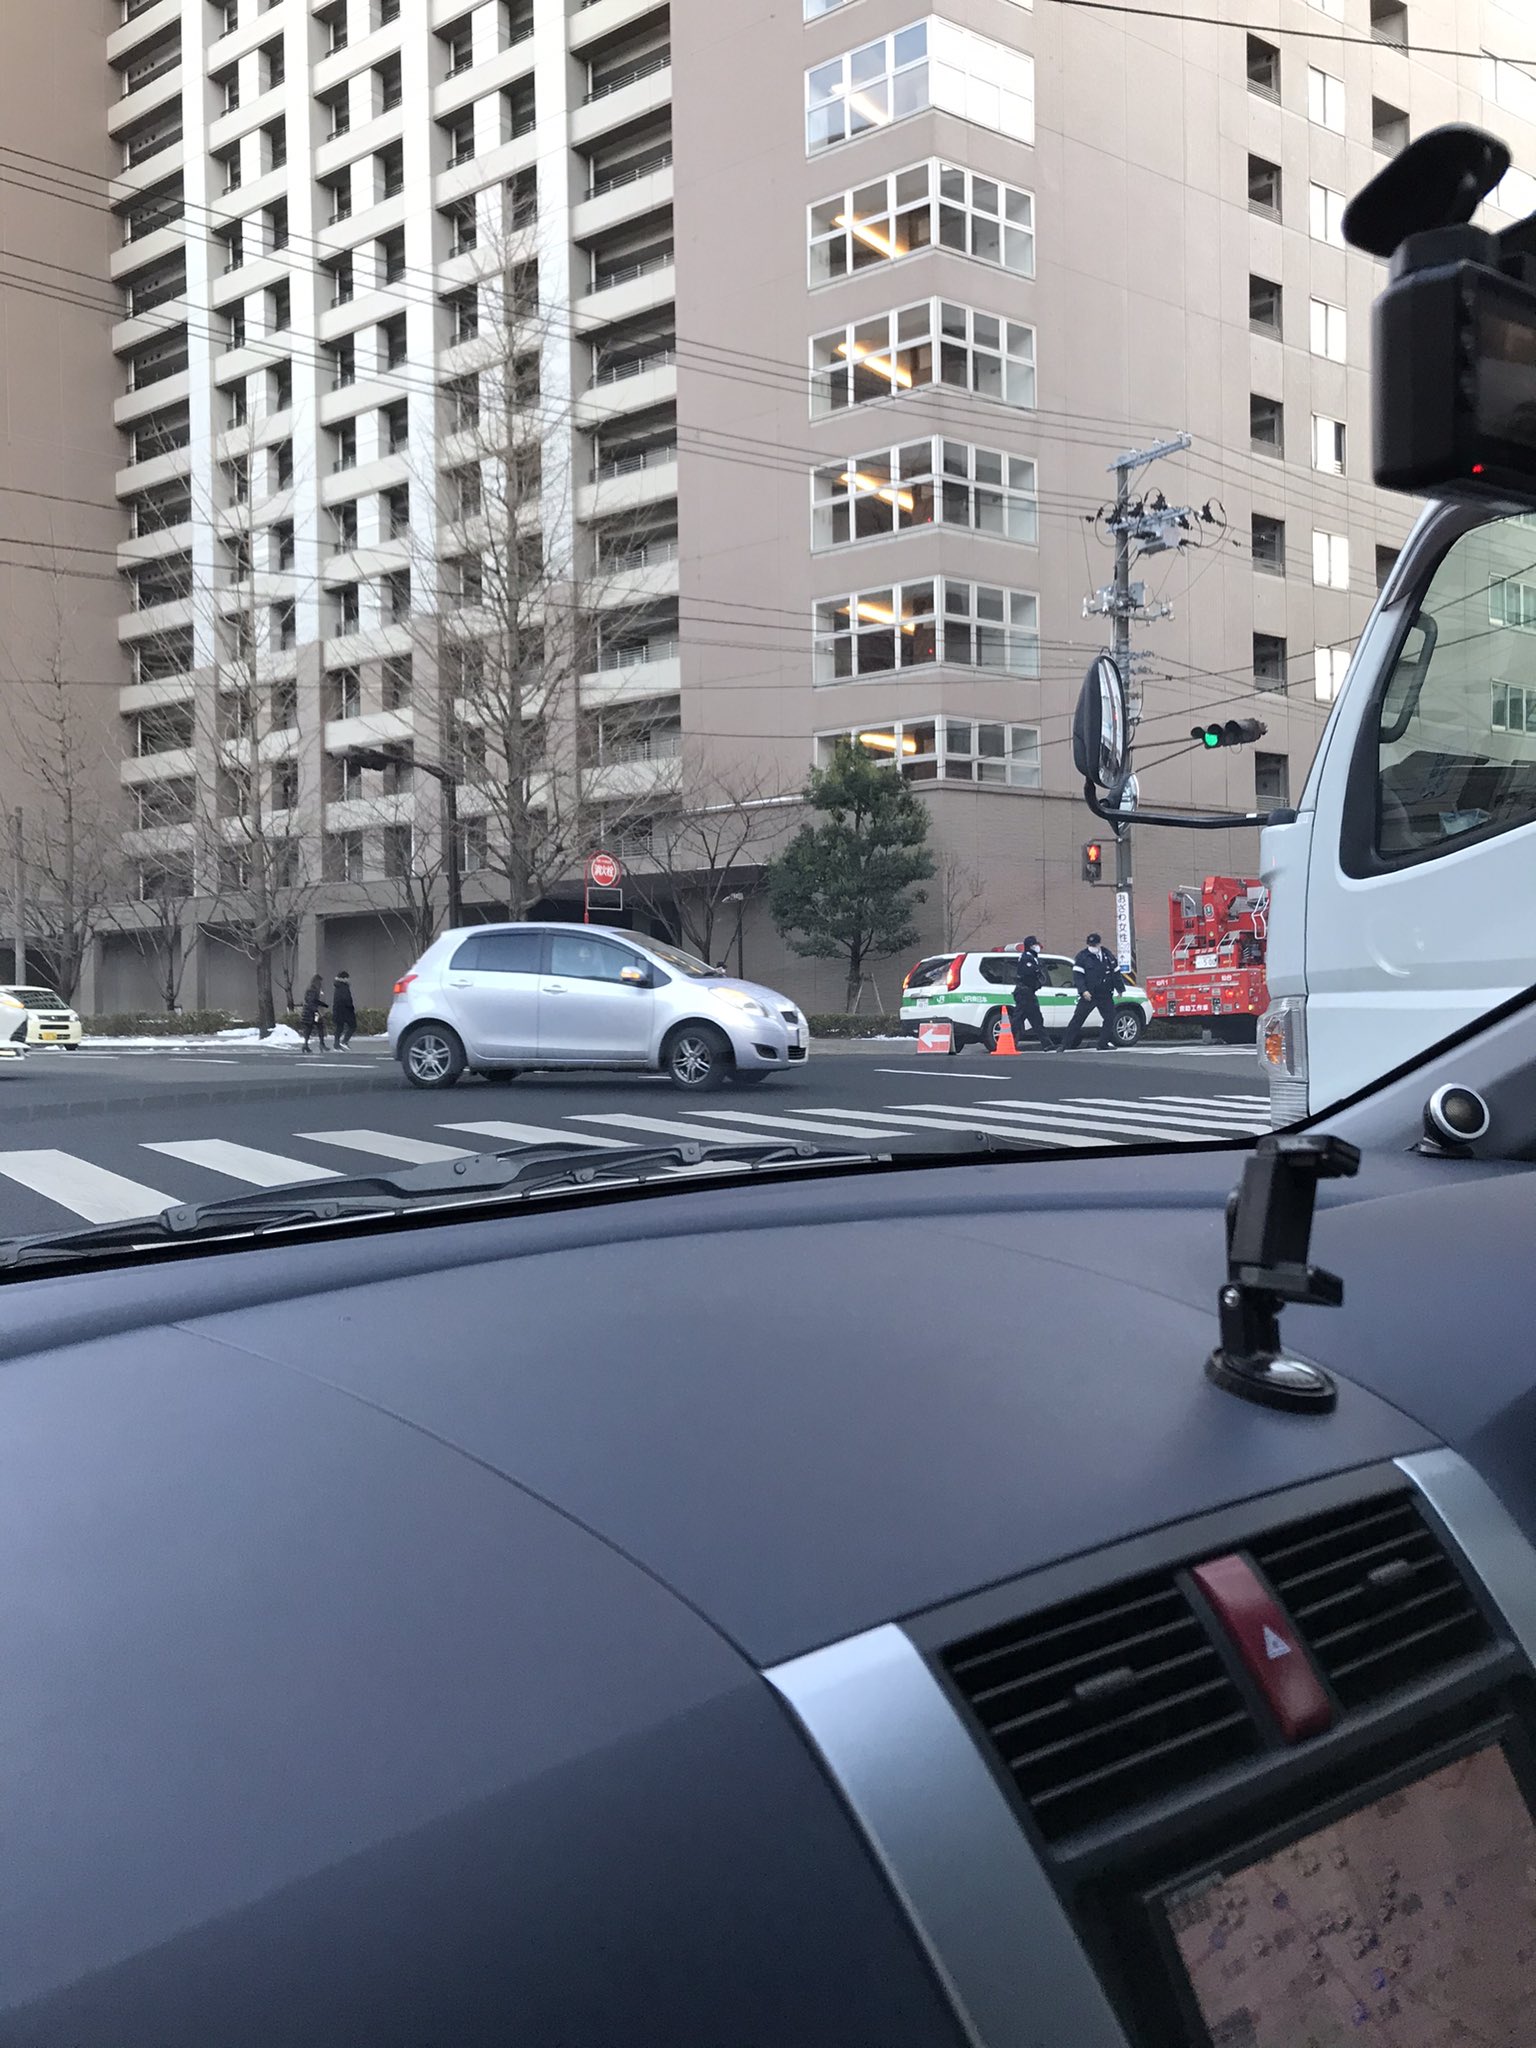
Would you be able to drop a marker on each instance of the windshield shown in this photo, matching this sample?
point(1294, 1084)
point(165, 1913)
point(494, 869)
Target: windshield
point(699, 638)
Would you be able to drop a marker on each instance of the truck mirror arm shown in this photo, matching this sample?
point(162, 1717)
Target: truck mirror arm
point(1224, 821)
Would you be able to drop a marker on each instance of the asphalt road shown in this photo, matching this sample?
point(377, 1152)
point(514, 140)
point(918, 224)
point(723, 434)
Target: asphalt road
point(101, 1136)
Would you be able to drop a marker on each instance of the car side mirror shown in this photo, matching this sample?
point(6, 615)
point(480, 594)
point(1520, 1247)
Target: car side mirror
point(635, 976)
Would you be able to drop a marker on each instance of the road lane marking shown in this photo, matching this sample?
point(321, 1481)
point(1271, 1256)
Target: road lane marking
point(85, 1190)
point(1096, 1128)
point(945, 1118)
point(801, 1120)
point(532, 1134)
point(661, 1127)
point(1152, 1109)
point(244, 1162)
point(386, 1145)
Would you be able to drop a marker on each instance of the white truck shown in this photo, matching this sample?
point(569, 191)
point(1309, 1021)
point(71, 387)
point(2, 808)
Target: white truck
point(1403, 895)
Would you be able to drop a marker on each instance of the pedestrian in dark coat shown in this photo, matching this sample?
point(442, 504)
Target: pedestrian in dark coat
point(313, 1019)
point(1096, 973)
point(343, 1011)
point(1025, 1007)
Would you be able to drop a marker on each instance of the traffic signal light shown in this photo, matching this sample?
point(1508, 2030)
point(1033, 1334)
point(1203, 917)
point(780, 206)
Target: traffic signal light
point(1093, 861)
point(1236, 732)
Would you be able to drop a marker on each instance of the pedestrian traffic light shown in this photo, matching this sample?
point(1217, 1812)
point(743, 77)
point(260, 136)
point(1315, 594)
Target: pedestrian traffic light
point(1093, 861)
point(1236, 732)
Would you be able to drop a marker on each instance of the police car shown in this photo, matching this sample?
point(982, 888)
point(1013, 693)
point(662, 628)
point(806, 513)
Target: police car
point(971, 991)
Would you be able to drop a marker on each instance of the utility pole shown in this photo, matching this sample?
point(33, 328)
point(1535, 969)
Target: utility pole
point(18, 904)
point(1147, 527)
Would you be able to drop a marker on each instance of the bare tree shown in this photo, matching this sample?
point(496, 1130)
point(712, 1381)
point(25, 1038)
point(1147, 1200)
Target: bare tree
point(72, 825)
point(707, 851)
point(159, 921)
point(529, 598)
point(961, 895)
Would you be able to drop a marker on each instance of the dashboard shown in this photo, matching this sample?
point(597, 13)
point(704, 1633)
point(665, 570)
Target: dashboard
point(834, 1610)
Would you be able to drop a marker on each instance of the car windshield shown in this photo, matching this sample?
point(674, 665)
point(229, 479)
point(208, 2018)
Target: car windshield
point(736, 722)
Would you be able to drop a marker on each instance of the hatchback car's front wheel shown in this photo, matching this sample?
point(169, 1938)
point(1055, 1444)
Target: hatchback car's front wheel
point(696, 1057)
point(1129, 1025)
point(431, 1056)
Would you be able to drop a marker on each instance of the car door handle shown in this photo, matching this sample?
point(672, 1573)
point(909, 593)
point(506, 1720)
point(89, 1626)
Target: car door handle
point(554, 988)
point(460, 981)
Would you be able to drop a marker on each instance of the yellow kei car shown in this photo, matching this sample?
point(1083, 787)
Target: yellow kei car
point(37, 1016)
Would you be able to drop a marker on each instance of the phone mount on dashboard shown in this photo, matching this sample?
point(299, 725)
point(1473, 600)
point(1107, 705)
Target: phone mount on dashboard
point(1454, 392)
point(1269, 1235)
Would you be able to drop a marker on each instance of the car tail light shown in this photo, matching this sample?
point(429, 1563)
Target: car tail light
point(952, 979)
point(403, 984)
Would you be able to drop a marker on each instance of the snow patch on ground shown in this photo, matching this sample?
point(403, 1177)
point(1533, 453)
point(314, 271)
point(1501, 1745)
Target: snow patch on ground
point(282, 1036)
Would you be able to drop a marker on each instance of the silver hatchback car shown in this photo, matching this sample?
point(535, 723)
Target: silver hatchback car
point(498, 999)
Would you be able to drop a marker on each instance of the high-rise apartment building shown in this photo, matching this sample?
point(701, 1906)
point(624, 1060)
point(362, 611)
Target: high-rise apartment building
point(600, 408)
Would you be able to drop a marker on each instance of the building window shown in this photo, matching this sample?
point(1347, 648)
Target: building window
point(1386, 562)
point(932, 63)
point(1513, 708)
point(395, 683)
point(1266, 424)
point(1389, 23)
point(1264, 304)
point(463, 228)
point(348, 609)
point(463, 396)
point(461, 140)
point(1263, 187)
point(392, 335)
point(389, 83)
point(1389, 128)
point(1269, 672)
point(892, 490)
point(397, 511)
point(934, 341)
point(279, 306)
point(1330, 560)
point(1325, 215)
point(344, 526)
point(974, 626)
point(276, 139)
point(1263, 68)
point(276, 67)
point(282, 386)
point(912, 209)
point(1269, 543)
point(1325, 99)
point(392, 255)
point(391, 163)
point(1512, 603)
point(277, 225)
point(459, 45)
point(343, 693)
point(464, 315)
point(344, 445)
point(1329, 668)
point(285, 785)
point(343, 355)
point(1272, 780)
point(396, 420)
point(1328, 331)
point(343, 856)
point(948, 749)
point(1328, 444)
point(399, 850)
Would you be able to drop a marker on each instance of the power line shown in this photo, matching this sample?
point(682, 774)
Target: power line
point(1316, 35)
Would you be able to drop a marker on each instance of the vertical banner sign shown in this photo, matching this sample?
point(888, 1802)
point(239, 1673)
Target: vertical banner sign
point(1123, 950)
point(604, 874)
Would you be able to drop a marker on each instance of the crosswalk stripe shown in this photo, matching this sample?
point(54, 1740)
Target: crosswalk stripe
point(85, 1190)
point(1217, 1101)
point(1161, 1111)
point(660, 1126)
point(800, 1121)
point(532, 1134)
point(944, 1118)
point(386, 1145)
point(1096, 1127)
point(243, 1162)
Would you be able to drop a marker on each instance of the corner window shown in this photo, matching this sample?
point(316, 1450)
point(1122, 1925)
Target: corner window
point(906, 211)
point(934, 341)
point(867, 497)
point(931, 63)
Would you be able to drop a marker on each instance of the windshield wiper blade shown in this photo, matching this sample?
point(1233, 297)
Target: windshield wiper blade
point(481, 1177)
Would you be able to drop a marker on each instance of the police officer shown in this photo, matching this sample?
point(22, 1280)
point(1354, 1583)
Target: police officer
point(1098, 980)
point(1025, 1007)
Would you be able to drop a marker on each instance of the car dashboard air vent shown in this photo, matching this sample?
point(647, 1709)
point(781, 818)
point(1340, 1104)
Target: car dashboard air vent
point(1375, 1596)
point(1103, 1703)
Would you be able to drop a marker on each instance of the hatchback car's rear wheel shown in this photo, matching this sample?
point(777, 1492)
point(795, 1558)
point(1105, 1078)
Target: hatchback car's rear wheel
point(990, 1029)
point(696, 1057)
point(431, 1056)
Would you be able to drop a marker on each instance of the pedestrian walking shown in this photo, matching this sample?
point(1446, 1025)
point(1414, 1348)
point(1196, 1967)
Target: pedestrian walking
point(1025, 1008)
point(313, 1019)
point(1097, 978)
point(343, 1011)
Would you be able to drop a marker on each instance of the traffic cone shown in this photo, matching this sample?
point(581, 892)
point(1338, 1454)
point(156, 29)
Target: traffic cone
point(1005, 1046)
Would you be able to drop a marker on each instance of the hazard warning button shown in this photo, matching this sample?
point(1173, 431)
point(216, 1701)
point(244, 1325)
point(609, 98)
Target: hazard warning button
point(1268, 1645)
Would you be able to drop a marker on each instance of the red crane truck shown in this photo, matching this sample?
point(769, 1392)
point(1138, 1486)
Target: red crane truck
point(1217, 934)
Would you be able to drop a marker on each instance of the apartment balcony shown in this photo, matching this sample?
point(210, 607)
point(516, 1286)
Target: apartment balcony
point(601, 19)
point(147, 251)
point(153, 621)
point(138, 769)
point(141, 548)
point(648, 92)
point(634, 386)
point(163, 90)
point(490, 166)
point(158, 469)
point(629, 781)
point(627, 197)
point(638, 577)
point(633, 481)
point(148, 172)
point(627, 293)
point(359, 813)
point(133, 697)
point(658, 673)
point(506, 68)
point(248, 199)
point(378, 473)
point(158, 324)
point(369, 729)
point(144, 28)
point(129, 406)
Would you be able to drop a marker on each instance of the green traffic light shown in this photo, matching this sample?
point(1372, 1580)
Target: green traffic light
point(1212, 736)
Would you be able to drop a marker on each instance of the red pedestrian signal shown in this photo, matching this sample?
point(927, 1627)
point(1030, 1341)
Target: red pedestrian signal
point(1093, 861)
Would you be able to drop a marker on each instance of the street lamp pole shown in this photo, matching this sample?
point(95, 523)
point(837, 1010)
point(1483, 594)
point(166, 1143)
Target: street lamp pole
point(382, 757)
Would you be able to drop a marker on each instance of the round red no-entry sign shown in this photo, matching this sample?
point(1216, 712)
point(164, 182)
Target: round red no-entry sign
point(604, 872)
